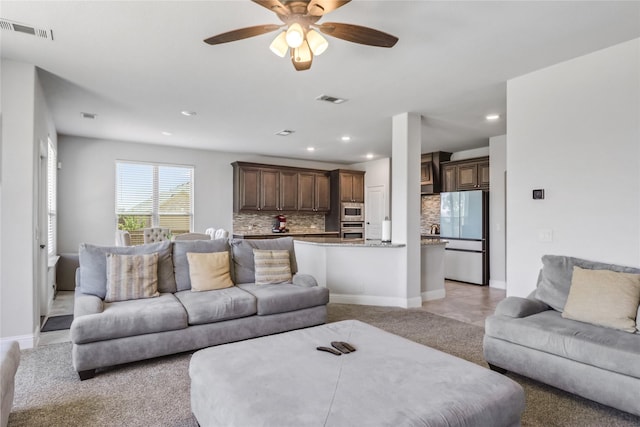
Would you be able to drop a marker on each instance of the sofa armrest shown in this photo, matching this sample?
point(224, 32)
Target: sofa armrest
point(520, 307)
point(84, 304)
point(305, 280)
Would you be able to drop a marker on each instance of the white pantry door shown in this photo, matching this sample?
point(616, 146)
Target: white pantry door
point(374, 212)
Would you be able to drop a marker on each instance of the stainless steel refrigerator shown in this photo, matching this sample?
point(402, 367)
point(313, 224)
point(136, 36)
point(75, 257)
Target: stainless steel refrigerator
point(464, 221)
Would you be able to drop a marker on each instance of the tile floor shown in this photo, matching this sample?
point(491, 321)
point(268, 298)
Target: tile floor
point(464, 302)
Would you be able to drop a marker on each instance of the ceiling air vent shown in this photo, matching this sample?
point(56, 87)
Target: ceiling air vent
point(331, 99)
point(26, 29)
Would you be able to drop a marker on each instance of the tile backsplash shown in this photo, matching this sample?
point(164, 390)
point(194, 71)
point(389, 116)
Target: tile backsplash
point(261, 223)
point(429, 212)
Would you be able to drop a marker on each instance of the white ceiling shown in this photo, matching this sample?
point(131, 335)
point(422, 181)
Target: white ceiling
point(138, 64)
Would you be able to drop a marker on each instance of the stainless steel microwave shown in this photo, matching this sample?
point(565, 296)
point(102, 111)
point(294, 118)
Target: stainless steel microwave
point(352, 212)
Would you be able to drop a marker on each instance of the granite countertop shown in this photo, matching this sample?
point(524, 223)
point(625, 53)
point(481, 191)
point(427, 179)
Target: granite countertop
point(290, 234)
point(433, 241)
point(358, 243)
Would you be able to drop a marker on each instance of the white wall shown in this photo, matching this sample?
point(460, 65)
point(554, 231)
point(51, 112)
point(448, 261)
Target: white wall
point(377, 173)
point(26, 120)
point(86, 185)
point(497, 227)
point(470, 154)
point(574, 131)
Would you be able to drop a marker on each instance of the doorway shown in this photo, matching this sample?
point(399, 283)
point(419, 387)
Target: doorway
point(374, 212)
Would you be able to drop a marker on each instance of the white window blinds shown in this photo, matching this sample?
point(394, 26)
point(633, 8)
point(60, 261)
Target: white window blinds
point(52, 172)
point(153, 195)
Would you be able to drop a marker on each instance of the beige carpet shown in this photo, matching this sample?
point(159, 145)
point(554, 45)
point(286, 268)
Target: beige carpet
point(156, 392)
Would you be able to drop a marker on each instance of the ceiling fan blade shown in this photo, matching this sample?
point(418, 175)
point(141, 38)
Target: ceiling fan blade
point(358, 34)
point(242, 33)
point(274, 6)
point(320, 7)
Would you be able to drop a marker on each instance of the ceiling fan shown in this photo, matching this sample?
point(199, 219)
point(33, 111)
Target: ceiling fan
point(299, 34)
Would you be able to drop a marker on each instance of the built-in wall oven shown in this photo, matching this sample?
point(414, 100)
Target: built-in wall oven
point(352, 230)
point(352, 212)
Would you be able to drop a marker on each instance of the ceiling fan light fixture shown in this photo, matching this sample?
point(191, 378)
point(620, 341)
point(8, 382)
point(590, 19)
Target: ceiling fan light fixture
point(317, 43)
point(295, 35)
point(302, 57)
point(279, 45)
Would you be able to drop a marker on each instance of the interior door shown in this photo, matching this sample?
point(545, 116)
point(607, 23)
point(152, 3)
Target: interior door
point(374, 212)
point(44, 295)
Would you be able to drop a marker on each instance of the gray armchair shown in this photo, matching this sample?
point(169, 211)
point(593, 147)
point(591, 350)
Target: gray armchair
point(123, 238)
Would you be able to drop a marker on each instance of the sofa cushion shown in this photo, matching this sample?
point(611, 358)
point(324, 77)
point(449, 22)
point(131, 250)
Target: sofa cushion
point(242, 252)
point(605, 348)
point(272, 266)
point(603, 297)
point(93, 265)
point(180, 262)
point(554, 280)
point(209, 271)
point(129, 318)
point(131, 277)
point(272, 299)
point(217, 305)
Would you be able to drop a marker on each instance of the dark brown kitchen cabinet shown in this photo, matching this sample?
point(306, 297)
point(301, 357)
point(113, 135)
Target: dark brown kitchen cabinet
point(430, 182)
point(471, 174)
point(288, 191)
point(258, 187)
point(352, 187)
point(313, 192)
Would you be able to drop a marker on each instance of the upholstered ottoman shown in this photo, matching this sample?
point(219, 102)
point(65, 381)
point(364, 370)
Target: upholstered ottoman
point(282, 380)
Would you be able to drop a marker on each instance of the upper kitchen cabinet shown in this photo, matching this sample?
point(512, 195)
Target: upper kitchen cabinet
point(313, 192)
point(258, 187)
point(470, 174)
point(351, 185)
point(430, 182)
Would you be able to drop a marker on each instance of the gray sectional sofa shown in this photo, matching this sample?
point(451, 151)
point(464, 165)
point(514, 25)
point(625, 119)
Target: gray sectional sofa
point(530, 336)
point(104, 334)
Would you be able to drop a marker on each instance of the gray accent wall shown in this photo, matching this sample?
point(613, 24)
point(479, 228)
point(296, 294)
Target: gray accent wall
point(86, 185)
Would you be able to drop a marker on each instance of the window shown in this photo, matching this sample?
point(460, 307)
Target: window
point(52, 170)
point(153, 195)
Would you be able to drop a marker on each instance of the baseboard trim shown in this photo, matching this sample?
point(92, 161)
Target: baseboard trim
point(498, 284)
point(25, 341)
point(433, 295)
point(376, 301)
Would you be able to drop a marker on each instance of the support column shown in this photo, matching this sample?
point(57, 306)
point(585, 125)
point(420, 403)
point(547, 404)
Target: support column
point(405, 197)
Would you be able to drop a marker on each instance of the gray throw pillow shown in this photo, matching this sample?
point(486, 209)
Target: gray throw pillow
point(242, 251)
point(554, 280)
point(93, 265)
point(181, 263)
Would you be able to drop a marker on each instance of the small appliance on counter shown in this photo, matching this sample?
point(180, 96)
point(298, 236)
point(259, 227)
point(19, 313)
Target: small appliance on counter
point(435, 229)
point(279, 224)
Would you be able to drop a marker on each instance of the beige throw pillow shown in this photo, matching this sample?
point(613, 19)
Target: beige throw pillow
point(604, 297)
point(272, 266)
point(209, 271)
point(131, 277)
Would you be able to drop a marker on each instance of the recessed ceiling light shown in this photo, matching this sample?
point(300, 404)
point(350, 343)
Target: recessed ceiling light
point(165, 133)
point(369, 156)
point(346, 138)
point(311, 149)
point(492, 116)
point(285, 132)
point(89, 115)
point(188, 113)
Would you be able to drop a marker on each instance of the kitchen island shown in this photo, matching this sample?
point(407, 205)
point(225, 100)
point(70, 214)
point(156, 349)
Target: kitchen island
point(371, 272)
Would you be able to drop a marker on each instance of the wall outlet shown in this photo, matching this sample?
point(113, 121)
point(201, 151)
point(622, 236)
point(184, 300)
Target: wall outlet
point(545, 235)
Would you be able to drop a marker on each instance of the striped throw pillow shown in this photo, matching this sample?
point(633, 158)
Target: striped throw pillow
point(272, 266)
point(131, 277)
